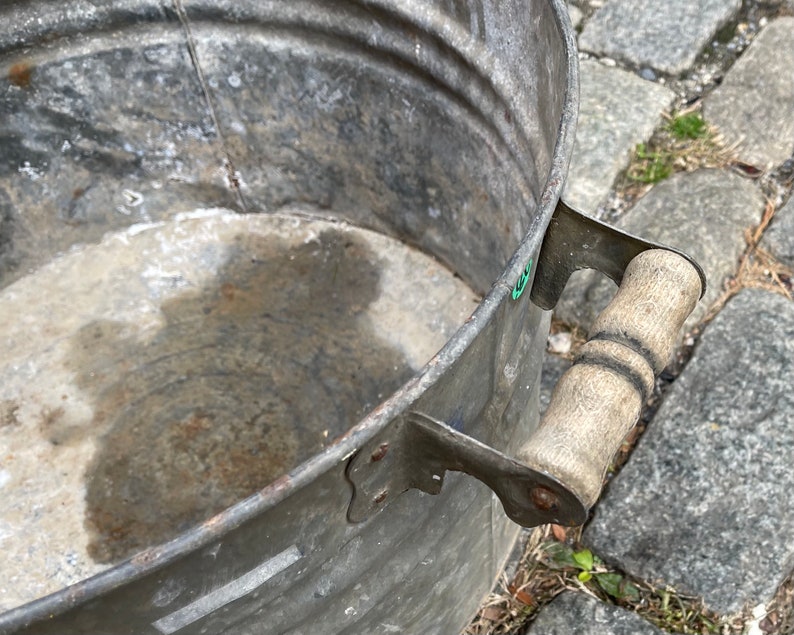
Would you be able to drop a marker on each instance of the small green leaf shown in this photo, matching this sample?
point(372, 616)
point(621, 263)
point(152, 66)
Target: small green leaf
point(610, 583)
point(629, 591)
point(584, 576)
point(617, 586)
point(560, 556)
point(652, 166)
point(584, 559)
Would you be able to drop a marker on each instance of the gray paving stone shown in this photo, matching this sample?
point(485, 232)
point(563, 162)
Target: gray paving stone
point(667, 36)
point(706, 501)
point(579, 614)
point(703, 213)
point(609, 127)
point(576, 15)
point(755, 103)
point(779, 238)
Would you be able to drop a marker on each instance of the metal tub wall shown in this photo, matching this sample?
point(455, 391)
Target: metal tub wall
point(348, 109)
point(447, 125)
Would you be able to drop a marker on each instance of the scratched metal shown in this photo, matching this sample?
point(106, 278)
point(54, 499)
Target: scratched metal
point(445, 125)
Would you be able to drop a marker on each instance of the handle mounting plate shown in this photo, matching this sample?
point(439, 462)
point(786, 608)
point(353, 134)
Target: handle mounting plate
point(576, 241)
point(415, 451)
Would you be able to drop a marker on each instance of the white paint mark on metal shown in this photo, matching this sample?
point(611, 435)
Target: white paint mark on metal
point(228, 592)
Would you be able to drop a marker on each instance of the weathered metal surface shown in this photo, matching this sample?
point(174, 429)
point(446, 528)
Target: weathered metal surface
point(445, 125)
point(209, 356)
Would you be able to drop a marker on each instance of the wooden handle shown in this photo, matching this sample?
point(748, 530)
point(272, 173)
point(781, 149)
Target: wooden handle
point(599, 399)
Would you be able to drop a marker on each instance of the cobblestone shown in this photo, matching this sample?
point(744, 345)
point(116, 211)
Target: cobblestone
point(706, 502)
point(578, 614)
point(754, 106)
point(779, 238)
point(666, 36)
point(609, 128)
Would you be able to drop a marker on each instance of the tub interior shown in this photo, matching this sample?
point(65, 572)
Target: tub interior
point(227, 233)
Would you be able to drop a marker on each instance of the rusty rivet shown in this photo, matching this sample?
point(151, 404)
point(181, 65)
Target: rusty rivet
point(544, 499)
point(380, 497)
point(378, 454)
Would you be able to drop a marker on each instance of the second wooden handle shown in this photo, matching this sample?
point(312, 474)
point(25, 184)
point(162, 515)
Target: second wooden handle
point(599, 399)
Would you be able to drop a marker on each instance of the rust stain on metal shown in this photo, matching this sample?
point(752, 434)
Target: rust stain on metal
point(8, 413)
point(146, 557)
point(227, 291)
point(214, 521)
point(20, 74)
point(49, 427)
point(281, 484)
point(380, 452)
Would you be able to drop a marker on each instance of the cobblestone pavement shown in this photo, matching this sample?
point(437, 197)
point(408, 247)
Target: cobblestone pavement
point(705, 503)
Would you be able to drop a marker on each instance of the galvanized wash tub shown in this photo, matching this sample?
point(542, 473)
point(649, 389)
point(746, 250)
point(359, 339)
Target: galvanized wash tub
point(220, 237)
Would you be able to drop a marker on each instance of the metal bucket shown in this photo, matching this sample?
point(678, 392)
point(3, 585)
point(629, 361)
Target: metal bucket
point(222, 231)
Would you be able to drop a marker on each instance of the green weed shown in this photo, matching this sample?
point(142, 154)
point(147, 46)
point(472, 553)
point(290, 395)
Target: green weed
point(684, 143)
point(650, 167)
point(688, 126)
point(663, 606)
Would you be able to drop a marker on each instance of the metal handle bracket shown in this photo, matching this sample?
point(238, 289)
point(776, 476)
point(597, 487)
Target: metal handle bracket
point(414, 452)
point(560, 472)
point(576, 241)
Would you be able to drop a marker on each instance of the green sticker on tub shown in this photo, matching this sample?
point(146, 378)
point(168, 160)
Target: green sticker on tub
point(522, 281)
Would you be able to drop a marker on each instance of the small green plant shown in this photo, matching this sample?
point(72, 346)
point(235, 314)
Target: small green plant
point(591, 568)
point(650, 167)
point(683, 143)
point(549, 567)
point(688, 126)
point(662, 606)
